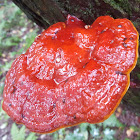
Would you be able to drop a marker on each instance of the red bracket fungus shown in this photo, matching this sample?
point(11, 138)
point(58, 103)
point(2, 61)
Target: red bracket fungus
point(72, 73)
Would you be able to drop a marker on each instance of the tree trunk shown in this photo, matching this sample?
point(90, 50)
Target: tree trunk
point(48, 12)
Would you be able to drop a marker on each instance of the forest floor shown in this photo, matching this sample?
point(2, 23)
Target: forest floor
point(17, 34)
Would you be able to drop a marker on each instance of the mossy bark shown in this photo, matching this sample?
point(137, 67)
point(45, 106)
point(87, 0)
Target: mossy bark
point(48, 12)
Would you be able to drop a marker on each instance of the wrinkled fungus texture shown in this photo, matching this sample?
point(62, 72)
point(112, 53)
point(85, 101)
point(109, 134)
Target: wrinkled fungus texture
point(72, 73)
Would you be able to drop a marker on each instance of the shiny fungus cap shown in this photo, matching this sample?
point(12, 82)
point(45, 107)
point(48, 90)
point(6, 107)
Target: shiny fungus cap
point(72, 73)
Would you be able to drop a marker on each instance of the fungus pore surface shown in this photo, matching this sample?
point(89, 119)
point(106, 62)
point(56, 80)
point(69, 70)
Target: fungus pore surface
point(72, 73)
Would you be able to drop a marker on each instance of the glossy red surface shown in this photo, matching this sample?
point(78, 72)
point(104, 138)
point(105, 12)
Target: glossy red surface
point(72, 73)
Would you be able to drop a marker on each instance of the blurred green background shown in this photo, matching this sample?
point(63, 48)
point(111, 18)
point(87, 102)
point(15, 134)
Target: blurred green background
point(17, 33)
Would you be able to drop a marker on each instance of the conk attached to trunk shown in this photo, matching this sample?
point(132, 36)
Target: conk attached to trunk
point(72, 73)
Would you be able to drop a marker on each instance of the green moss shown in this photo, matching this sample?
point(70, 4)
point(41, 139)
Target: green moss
point(89, 10)
point(126, 6)
point(121, 5)
point(135, 5)
point(138, 62)
point(97, 2)
point(138, 75)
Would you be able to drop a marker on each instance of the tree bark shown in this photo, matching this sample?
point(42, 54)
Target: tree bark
point(42, 12)
point(48, 12)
